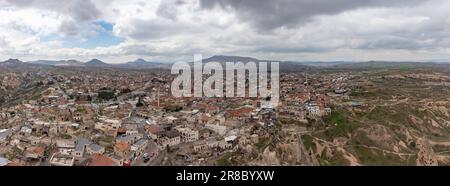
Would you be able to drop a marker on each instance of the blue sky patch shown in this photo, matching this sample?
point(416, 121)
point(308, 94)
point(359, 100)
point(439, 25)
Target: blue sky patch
point(103, 38)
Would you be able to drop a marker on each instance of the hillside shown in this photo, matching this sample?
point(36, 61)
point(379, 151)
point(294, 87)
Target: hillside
point(406, 122)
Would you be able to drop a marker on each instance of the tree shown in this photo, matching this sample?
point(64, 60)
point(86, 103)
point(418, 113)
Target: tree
point(139, 103)
point(106, 95)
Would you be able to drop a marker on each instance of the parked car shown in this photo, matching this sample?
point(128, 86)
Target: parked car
point(127, 163)
point(146, 160)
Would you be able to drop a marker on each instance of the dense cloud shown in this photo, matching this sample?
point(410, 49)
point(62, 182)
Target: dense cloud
point(270, 14)
point(168, 8)
point(83, 10)
point(78, 12)
point(167, 30)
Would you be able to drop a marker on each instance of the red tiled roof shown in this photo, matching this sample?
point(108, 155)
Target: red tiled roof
point(39, 151)
point(16, 163)
point(122, 146)
point(242, 112)
point(121, 130)
point(205, 118)
point(153, 129)
point(101, 160)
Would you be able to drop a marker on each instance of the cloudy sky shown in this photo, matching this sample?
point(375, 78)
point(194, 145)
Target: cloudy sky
point(169, 30)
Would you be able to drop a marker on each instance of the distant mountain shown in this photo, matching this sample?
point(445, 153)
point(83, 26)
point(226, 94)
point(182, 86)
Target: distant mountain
point(223, 59)
point(142, 64)
point(11, 62)
point(58, 63)
point(326, 63)
point(96, 63)
point(139, 62)
point(285, 66)
point(17, 64)
point(390, 65)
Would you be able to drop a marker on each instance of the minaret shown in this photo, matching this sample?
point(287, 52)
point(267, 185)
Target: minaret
point(306, 74)
point(159, 83)
point(158, 97)
point(306, 79)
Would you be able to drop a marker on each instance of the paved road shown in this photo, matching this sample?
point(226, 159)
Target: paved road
point(157, 161)
point(151, 149)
